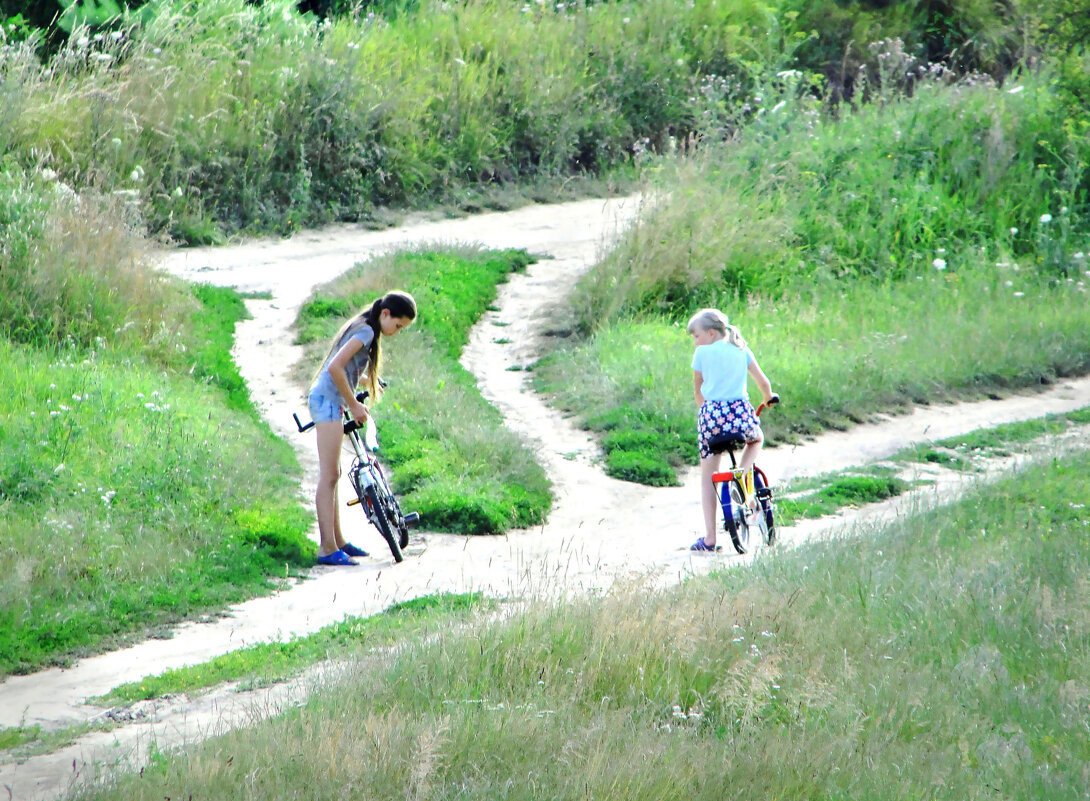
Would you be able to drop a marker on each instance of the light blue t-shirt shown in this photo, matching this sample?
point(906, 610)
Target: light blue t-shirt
point(723, 368)
point(356, 365)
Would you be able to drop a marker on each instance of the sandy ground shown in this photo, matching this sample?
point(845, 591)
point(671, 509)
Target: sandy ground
point(601, 530)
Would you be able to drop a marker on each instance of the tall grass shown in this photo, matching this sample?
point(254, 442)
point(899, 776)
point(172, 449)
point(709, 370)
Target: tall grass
point(73, 270)
point(944, 658)
point(225, 114)
point(452, 458)
point(955, 178)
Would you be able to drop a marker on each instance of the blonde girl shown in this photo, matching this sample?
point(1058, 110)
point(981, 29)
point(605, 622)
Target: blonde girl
point(354, 357)
point(721, 363)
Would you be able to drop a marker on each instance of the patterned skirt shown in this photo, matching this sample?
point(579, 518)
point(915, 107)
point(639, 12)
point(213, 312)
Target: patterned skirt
point(726, 417)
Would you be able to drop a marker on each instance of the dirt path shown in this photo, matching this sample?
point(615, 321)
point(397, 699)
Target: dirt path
point(601, 529)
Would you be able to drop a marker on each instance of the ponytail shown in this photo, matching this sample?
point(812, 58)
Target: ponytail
point(399, 304)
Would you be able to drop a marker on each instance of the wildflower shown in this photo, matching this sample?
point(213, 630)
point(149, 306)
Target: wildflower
point(49, 175)
point(1046, 218)
point(137, 174)
point(1019, 294)
point(1014, 231)
point(626, 20)
point(939, 264)
point(1008, 283)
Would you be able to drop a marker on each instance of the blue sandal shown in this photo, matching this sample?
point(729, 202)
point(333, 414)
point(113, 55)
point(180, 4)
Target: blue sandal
point(336, 558)
point(352, 550)
point(700, 545)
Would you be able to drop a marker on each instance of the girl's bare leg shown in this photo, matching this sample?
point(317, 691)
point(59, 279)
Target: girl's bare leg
point(708, 501)
point(749, 453)
point(330, 436)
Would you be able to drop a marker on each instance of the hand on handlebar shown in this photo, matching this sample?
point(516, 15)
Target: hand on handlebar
point(358, 411)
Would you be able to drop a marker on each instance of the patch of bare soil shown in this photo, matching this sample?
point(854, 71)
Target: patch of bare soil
point(601, 530)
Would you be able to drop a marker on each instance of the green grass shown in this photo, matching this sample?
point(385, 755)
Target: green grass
point(943, 657)
point(134, 496)
point(269, 663)
point(22, 742)
point(451, 456)
point(839, 493)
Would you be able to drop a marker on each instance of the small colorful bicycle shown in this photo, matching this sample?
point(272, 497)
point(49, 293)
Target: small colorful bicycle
point(372, 489)
point(746, 497)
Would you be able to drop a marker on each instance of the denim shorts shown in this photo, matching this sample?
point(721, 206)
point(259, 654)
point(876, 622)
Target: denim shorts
point(324, 409)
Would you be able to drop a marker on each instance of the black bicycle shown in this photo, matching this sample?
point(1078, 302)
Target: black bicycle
point(746, 497)
point(373, 491)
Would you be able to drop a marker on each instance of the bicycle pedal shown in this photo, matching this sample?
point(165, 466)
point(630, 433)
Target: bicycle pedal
point(353, 502)
point(412, 518)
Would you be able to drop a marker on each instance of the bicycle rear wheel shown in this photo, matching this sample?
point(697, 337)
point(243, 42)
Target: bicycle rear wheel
point(379, 515)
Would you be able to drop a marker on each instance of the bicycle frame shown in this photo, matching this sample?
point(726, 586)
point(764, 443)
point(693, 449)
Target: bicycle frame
point(369, 482)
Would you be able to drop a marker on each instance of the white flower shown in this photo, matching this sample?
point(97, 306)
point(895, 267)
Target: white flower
point(1008, 283)
point(1014, 231)
point(49, 175)
point(1046, 218)
point(939, 264)
point(1019, 294)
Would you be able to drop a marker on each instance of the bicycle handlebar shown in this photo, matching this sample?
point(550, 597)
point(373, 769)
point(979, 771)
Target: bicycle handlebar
point(771, 402)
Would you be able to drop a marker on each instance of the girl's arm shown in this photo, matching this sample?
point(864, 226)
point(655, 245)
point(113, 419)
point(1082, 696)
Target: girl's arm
point(339, 373)
point(698, 380)
point(763, 383)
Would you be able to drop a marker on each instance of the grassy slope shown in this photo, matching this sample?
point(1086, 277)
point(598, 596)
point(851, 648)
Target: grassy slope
point(882, 259)
point(945, 658)
point(129, 496)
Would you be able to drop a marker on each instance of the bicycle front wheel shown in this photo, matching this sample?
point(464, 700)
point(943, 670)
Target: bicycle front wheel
point(745, 522)
point(376, 507)
point(765, 505)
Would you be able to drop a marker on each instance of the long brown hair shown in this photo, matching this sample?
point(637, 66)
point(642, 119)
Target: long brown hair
point(399, 304)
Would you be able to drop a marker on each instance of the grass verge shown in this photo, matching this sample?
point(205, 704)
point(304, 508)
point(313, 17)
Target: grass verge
point(945, 656)
point(270, 663)
point(452, 458)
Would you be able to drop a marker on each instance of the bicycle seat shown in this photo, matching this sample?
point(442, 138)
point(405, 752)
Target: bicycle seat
point(726, 442)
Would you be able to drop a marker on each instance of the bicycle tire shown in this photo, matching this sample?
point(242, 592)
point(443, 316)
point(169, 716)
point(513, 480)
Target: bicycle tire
point(764, 498)
point(394, 513)
point(747, 532)
point(376, 501)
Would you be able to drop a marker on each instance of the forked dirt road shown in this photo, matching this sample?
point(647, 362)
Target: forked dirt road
point(601, 530)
